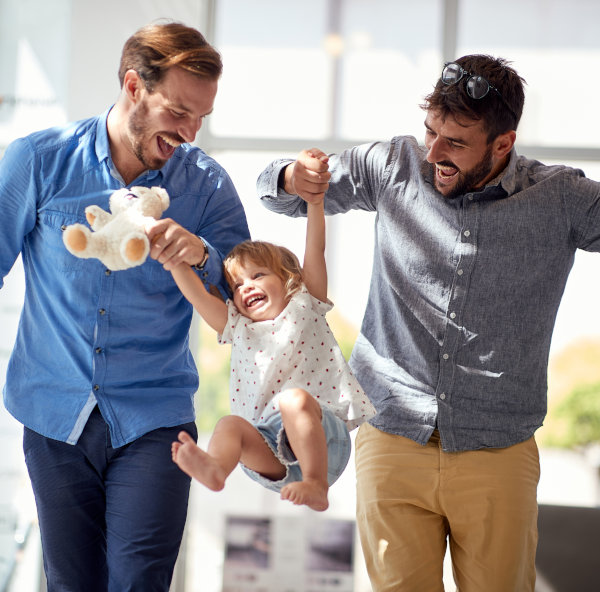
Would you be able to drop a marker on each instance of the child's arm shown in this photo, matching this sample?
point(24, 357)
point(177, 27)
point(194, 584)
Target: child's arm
point(212, 309)
point(315, 268)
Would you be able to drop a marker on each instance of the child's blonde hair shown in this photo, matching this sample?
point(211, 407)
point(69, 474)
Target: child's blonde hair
point(281, 261)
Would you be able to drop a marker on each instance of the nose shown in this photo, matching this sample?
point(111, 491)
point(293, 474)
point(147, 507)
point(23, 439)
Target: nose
point(246, 285)
point(434, 151)
point(189, 130)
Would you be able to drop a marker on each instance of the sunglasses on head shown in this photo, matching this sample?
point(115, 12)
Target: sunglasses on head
point(477, 86)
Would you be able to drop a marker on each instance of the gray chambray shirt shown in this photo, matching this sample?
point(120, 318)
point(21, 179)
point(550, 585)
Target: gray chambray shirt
point(464, 292)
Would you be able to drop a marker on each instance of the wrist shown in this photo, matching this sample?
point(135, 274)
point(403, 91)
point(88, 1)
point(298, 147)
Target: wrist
point(200, 265)
point(288, 179)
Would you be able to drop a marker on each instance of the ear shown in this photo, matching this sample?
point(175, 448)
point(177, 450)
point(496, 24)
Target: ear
point(133, 86)
point(503, 144)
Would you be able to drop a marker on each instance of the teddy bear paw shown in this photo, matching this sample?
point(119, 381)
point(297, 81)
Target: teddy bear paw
point(75, 238)
point(135, 249)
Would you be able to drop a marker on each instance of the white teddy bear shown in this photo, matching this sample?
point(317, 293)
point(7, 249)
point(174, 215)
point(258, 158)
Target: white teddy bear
point(118, 238)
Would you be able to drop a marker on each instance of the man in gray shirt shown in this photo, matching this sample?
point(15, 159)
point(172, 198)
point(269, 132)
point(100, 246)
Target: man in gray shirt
point(473, 247)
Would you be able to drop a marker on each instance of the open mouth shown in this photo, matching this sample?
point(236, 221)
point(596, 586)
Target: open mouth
point(446, 173)
point(253, 301)
point(167, 145)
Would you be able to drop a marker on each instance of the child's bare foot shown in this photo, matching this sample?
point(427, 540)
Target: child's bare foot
point(310, 492)
point(196, 463)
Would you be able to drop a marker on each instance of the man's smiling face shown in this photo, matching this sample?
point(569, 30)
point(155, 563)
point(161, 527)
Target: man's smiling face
point(460, 153)
point(170, 115)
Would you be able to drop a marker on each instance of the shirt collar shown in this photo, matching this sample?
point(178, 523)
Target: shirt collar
point(102, 145)
point(507, 179)
point(503, 184)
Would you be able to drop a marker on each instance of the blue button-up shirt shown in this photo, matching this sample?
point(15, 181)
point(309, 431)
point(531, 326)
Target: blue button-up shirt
point(87, 335)
point(464, 292)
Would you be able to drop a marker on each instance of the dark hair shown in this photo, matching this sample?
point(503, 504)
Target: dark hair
point(155, 48)
point(491, 109)
point(281, 261)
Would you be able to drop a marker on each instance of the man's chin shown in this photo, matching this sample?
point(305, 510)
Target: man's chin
point(447, 191)
point(152, 163)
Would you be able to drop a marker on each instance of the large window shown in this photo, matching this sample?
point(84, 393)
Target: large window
point(326, 73)
point(555, 46)
point(339, 72)
point(324, 70)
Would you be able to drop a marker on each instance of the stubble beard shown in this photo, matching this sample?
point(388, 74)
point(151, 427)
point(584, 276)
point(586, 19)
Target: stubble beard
point(138, 132)
point(471, 179)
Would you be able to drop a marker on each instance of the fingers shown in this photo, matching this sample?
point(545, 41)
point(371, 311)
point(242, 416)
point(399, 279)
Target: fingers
point(317, 154)
point(172, 244)
point(308, 176)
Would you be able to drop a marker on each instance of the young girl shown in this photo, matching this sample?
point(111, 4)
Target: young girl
point(293, 396)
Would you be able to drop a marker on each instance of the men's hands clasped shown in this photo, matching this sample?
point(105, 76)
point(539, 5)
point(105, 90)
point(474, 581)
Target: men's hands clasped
point(308, 176)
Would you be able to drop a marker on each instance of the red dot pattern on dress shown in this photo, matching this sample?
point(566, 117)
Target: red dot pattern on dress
point(287, 352)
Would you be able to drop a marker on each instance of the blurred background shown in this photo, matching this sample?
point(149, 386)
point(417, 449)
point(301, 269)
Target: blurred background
point(331, 74)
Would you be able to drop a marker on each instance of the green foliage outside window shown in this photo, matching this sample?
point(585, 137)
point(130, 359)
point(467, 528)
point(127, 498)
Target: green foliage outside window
point(573, 419)
point(577, 418)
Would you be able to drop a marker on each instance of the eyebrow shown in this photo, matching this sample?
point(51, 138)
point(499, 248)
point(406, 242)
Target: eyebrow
point(451, 139)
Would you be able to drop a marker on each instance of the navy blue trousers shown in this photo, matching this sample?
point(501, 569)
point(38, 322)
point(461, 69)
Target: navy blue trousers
point(111, 519)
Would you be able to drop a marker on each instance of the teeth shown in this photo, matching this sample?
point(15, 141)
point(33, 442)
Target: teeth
point(170, 142)
point(446, 171)
point(252, 300)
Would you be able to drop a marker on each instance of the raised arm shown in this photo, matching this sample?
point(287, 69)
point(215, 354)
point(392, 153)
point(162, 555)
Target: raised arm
point(353, 179)
point(212, 309)
point(315, 268)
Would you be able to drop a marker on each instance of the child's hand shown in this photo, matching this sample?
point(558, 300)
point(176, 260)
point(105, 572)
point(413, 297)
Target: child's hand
point(308, 176)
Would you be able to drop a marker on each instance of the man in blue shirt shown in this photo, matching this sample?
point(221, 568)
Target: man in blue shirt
point(101, 374)
point(473, 246)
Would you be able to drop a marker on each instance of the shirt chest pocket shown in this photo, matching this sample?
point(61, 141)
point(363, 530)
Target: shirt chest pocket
point(47, 244)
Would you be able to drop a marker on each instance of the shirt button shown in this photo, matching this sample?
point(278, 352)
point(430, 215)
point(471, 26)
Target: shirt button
point(443, 396)
point(467, 233)
point(107, 272)
point(452, 315)
point(98, 350)
point(445, 356)
point(460, 272)
point(96, 387)
point(102, 311)
point(470, 198)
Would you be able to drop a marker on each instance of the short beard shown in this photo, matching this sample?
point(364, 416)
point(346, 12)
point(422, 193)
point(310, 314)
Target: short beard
point(138, 131)
point(472, 178)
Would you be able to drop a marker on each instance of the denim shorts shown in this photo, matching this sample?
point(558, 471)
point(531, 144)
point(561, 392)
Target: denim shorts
point(338, 449)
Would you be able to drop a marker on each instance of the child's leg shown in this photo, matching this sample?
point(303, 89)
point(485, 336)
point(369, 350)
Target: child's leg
point(301, 415)
point(234, 439)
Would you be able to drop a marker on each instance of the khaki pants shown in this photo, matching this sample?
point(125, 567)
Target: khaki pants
point(411, 498)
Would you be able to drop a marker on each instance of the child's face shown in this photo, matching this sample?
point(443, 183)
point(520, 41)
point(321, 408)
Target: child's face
point(258, 293)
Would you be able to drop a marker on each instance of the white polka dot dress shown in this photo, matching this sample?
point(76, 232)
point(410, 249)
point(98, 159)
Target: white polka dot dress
point(296, 349)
